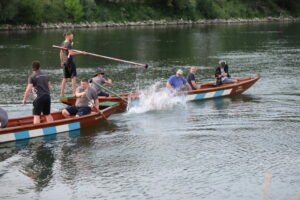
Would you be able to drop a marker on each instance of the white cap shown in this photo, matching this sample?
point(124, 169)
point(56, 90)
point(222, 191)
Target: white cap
point(222, 62)
point(180, 72)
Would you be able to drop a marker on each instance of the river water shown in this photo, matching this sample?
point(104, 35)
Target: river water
point(243, 147)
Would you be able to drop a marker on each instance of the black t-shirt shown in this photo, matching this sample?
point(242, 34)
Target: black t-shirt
point(66, 57)
point(40, 82)
point(190, 78)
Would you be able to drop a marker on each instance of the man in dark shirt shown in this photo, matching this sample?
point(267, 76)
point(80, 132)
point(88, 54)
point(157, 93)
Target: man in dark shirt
point(99, 79)
point(222, 74)
point(191, 79)
point(86, 96)
point(67, 62)
point(39, 84)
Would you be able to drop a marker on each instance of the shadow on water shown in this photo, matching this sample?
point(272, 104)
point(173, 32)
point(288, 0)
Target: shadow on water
point(40, 154)
point(40, 169)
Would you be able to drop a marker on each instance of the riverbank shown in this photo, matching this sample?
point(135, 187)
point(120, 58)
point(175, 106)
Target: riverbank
point(8, 27)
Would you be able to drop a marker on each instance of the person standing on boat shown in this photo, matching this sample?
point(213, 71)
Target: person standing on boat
point(177, 82)
point(222, 74)
point(67, 62)
point(99, 78)
point(85, 97)
point(39, 84)
point(3, 118)
point(191, 79)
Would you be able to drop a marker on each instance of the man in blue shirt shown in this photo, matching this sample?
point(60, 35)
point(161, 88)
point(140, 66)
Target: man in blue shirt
point(177, 82)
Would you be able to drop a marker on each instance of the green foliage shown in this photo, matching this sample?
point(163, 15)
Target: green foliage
point(30, 11)
point(38, 11)
point(8, 10)
point(90, 10)
point(55, 11)
point(74, 9)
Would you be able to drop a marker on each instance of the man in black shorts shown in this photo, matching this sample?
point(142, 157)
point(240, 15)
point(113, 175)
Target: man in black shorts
point(67, 62)
point(86, 97)
point(39, 84)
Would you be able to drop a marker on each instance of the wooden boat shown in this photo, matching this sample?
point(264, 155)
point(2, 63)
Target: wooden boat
point(207, 91)
point(23, 128)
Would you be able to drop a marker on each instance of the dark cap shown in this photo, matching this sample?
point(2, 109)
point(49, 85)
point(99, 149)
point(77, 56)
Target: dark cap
point(99, 72)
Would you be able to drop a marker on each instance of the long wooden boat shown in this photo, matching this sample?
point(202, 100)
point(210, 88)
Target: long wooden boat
point(23, 128)
point(207, 91)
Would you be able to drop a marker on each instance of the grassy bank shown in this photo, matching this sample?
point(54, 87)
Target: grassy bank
point(35, 12)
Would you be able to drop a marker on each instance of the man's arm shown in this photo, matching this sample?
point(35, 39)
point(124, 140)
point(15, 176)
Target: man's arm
point(187, 85)
point(49, 85)
point(97, 105)
point(169, 85)
point(80, 94)
point(218, 73)
point(108, 82)
point(195, 84)
point(27, 92)
point(61, 56)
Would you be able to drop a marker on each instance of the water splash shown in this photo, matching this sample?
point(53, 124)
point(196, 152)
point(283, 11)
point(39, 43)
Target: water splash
point(154, 98)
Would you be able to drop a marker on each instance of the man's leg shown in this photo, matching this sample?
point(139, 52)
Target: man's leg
point(71, 110)
point(47, 108)
point(65, 113)
point(62, 87)
point(74, 85)
point(36, 119)
point(49, 118)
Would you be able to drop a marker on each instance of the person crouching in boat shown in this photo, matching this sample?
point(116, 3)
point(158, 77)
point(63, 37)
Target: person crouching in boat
point(177, 83)
point(191, 79)
point(100, 80)
point(222, 74)
point(39, 84)
point(85, 96)
point(3, 118)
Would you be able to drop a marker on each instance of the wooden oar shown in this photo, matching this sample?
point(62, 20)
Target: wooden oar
point(104, 88)
point(101, 56)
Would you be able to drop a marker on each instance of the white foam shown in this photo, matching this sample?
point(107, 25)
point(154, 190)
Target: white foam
point(153, 98)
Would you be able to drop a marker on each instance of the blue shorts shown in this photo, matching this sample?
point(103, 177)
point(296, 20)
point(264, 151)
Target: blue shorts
point(73, 110)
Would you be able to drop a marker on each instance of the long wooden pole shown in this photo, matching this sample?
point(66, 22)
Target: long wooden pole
point(101, 56)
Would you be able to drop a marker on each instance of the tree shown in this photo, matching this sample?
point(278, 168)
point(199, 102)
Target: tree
point(30, 11)
point(8, 10)
point(74, 9)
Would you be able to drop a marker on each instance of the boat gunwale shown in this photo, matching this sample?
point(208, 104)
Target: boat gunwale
point(56, 122)
point(225, 86)
point(243, 81)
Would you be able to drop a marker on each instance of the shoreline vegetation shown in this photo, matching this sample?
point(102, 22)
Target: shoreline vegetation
point(66, 14)
point(69, 25)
